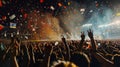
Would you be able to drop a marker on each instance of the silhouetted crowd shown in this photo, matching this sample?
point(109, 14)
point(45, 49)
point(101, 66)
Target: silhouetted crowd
point(64, 53)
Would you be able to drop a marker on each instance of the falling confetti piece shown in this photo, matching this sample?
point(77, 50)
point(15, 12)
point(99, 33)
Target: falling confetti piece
point(25, 15)
point(1, 3)
point(41, 1)
point(52, 8)
point(59, 4)
point(12, 25)
point(1, 27)
point(91, 11)
point(12, 17)
point(69, 3)
point(82, 10)
point(4, 17)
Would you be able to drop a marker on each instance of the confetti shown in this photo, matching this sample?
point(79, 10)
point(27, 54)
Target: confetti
point(59, 4)
point(69, 3)
point(41, 1)
point(82, 10)
point(52, 8)
point(1, 3)
point(12, 17)
point(91, 11)
point(54, 15)
point(25, 15)
point(1, 27)
point(12, 25)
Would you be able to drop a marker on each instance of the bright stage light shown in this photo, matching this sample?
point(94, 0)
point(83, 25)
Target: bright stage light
point(117, 22)
point(86, 25)
point(101, 26)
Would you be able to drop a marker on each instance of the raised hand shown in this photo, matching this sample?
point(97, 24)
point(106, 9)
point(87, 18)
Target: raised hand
point(67, 57)
point(90, 33)
point(82, 40)
point(48, 52)
point(63, 39)
point(82, 35)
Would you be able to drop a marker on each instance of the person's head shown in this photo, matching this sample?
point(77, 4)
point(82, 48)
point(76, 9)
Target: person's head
point(64, 64)
point(80, 59)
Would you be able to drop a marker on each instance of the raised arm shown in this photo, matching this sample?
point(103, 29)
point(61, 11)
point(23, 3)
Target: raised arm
point(82, 40)
point(13, 55)
point(105, 62)
point(90, 34)
point(48, 52)
point(67, 57)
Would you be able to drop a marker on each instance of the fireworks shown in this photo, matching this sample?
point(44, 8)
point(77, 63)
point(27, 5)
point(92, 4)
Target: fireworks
point(48, 19)
point(48, 26)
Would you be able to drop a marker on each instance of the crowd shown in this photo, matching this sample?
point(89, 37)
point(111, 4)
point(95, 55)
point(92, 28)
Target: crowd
point(72, 53)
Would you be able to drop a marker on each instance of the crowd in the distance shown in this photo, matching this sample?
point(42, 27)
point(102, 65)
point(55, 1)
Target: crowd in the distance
point(63, 53)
